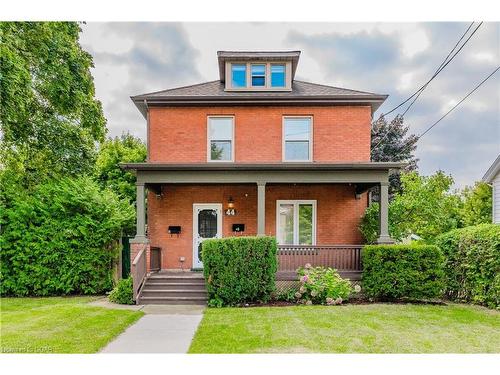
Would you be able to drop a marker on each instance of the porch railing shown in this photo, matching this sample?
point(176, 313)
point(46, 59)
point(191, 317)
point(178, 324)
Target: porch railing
point(138, 271)
point(346, 258)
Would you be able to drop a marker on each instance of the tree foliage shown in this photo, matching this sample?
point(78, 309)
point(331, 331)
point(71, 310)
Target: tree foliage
point(124, 149)
point(390, 143)
point(477, 204)
point(60, 238)
point(49, 117)
point(425, 206)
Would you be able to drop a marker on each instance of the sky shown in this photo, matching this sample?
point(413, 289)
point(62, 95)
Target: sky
point(386, 58)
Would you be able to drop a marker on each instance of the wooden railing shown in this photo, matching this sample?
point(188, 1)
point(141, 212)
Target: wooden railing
point(340, 257)
point(138, 271)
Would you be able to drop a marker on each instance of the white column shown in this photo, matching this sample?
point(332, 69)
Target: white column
point(261, 208)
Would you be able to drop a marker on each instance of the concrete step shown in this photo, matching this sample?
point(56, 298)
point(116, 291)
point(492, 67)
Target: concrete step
point(159, 280)
point(173, 300)
point(174, 286)
point(173, 293)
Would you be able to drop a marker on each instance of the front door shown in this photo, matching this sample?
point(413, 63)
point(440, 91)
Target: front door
point(207, 223)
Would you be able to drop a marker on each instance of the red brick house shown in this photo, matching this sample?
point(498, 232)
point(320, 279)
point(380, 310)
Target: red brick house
point(255, 152)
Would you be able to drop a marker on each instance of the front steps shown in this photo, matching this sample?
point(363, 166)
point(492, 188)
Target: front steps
point(174, 288)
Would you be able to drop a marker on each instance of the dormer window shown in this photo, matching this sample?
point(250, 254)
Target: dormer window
point(239, 75)
point(277, 75)
point(258, 75)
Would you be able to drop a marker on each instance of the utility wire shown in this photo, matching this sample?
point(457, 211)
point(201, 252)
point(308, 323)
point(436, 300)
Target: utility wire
point(451, 110)
point(440, 66)
point(445, 63)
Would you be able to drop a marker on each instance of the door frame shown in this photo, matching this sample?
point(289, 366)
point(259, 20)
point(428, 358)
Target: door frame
point(196, 206)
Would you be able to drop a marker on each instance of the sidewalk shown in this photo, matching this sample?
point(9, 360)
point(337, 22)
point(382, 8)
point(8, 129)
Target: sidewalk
point(164, 329)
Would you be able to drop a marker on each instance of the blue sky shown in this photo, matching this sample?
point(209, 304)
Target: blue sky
point(394, 59)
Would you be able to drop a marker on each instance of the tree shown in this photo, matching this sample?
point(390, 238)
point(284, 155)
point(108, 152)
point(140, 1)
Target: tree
point(49, 117)
point(108, 174)
point(390, 143)
point(477, 204)
point(425, 206)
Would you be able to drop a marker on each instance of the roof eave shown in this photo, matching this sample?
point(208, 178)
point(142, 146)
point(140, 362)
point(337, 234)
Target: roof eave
point(492, 171)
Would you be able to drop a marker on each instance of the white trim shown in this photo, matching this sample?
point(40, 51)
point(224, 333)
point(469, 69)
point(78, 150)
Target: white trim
point(296, 203)
point(195, 243)
point(283, 140)
point(209, 140)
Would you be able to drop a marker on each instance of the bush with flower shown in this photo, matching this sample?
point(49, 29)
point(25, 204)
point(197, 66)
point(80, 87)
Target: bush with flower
point(320, 285)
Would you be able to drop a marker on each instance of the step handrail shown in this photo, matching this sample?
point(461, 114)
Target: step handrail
point(139, 271)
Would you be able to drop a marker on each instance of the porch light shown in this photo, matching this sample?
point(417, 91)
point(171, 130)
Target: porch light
point(230, 207)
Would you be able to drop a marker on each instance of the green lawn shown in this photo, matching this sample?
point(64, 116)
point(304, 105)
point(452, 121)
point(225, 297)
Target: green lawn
point(59, 325)
point(374, 328)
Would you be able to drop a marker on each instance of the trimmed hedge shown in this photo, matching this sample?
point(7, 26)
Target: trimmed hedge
point(61, 238)
point(472, 264)
point(402, 271)
point(239, 269)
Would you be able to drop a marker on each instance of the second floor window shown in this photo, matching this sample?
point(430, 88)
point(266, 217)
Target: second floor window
point(239, 75)
point(258, 75)
point(297, 139)
point(220, 138)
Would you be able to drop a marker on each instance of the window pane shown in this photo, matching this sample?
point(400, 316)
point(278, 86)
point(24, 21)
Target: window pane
point(239, 74)
point(220, 150)
point(258, 75)
point(297, 150)
point(297, 129)
point(305, 224)
point(221, 128)
point(278, 75)
point(286, 224)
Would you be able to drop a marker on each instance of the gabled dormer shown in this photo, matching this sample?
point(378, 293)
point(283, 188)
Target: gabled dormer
point(257, 71)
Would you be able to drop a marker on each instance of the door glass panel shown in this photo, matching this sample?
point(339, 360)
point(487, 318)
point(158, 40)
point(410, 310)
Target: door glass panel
point(207, 223)
point(286, 224)
point(305, 224)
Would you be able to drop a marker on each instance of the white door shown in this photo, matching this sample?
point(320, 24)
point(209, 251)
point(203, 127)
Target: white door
point(207, 223)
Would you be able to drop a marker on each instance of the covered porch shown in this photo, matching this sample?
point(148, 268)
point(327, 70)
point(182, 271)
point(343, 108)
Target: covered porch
point(262, 182)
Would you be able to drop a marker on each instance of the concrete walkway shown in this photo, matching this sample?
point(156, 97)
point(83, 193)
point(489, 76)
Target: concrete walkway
point(164, 329)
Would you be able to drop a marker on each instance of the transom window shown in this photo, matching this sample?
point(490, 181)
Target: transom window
point(277, 75)
point(296, 222)
point(297, 139)
point(258, 75)
point(220, 138)
point(239, 75)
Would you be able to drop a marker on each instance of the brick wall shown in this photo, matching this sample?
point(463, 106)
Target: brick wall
point(338, 213)
point(179, 134)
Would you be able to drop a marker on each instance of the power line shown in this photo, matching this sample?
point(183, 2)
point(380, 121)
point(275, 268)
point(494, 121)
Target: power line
point(445, 62)
point(460, 102)
point(451, 110)
point(440, 66)
point(440, 69)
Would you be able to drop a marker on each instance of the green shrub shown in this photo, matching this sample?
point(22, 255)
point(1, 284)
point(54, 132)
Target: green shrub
point(123, 292)
point(61, 238)
point(239, 269)
point(320, 285)
point(402, 271)
point(472, 264)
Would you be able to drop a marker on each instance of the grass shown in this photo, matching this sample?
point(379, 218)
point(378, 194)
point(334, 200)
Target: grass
point(59, 325)
point(374, 328)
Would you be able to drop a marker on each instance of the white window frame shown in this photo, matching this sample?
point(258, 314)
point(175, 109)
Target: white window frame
point(209, 141)
point(266, 68)
point(283, 142)
point(296, 203)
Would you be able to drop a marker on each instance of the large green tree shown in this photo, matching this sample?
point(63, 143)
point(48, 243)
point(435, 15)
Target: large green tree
point(477, 204)
point(425, 206)
point(390, 142)
point(112, 152)
point(50, 119)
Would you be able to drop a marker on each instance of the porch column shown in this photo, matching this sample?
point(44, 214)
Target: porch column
point(384, 237)
point(140, 235)
point(261, 208)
